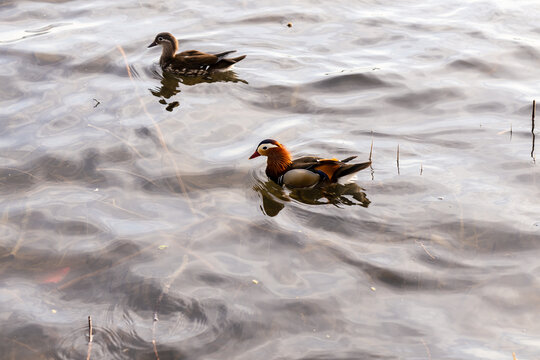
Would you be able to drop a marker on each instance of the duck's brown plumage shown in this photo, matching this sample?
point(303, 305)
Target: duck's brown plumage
point(191, 62)
point(280, 165)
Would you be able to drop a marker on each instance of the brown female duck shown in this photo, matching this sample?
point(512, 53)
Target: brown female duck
point(191, 62)
point(303, 172)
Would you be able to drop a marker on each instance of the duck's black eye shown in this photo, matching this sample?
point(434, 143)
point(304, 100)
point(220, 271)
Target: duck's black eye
point(264, 147)
point(160, 38)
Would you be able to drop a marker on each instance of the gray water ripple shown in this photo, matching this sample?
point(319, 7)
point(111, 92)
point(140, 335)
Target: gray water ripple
point(436, 259)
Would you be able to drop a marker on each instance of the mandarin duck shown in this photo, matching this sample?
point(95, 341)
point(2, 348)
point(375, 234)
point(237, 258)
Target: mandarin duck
point(303, 172)
point(191, 62)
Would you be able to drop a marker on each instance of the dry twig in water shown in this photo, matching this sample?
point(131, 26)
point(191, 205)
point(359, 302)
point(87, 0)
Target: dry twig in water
point(397, 159)
point(533, 113)
point(427, 349)
point(90, 337)
point(532, 129)
point(119, 138)
point(425, 249)
point(371, 149)
point(166, 288)
point(160, 134)
point(22, 230)
point(370, 156)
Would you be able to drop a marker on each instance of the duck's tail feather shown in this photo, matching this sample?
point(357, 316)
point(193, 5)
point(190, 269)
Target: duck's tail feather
point(225, 63)
point(348, 159)
point(238, 58)
point(350, 169)
point(223, 54)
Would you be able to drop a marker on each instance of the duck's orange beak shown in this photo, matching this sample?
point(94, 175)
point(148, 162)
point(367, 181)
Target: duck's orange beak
point(255, 154)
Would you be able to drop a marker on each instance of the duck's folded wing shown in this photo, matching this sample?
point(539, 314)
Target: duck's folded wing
point(328, 169)
point(305, 162)
point(192, 53)
point(196, 58)
point(324, 168)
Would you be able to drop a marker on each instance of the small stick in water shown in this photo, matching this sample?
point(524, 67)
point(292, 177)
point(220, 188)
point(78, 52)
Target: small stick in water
point(421, 169)
point(397, 159)
point(532, 130)
point(370, 155)
point(533, 113)
point(90, 330)
point(371, 149)
point(90, 337)
point(511, 132)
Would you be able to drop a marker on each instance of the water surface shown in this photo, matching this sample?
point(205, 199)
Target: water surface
point(127, 196)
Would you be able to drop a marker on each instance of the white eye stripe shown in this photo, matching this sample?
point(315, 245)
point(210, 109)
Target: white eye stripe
point(266, 146)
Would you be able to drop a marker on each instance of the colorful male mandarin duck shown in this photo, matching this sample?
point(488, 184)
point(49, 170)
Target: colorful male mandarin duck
point(191, 62)
point(305, 171)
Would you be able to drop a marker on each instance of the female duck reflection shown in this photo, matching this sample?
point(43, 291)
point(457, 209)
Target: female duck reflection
point(170, 84)
point(310, 178)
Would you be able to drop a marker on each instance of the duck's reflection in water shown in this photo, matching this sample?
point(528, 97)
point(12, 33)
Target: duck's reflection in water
point(274, 196)
point(170, 84)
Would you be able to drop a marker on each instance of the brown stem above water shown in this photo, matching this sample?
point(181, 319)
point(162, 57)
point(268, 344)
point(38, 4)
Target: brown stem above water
point(90, 338)
point(532, 130)
point(397, 159)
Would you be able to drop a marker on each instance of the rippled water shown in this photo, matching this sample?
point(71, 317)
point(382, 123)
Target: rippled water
point(127, 196)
